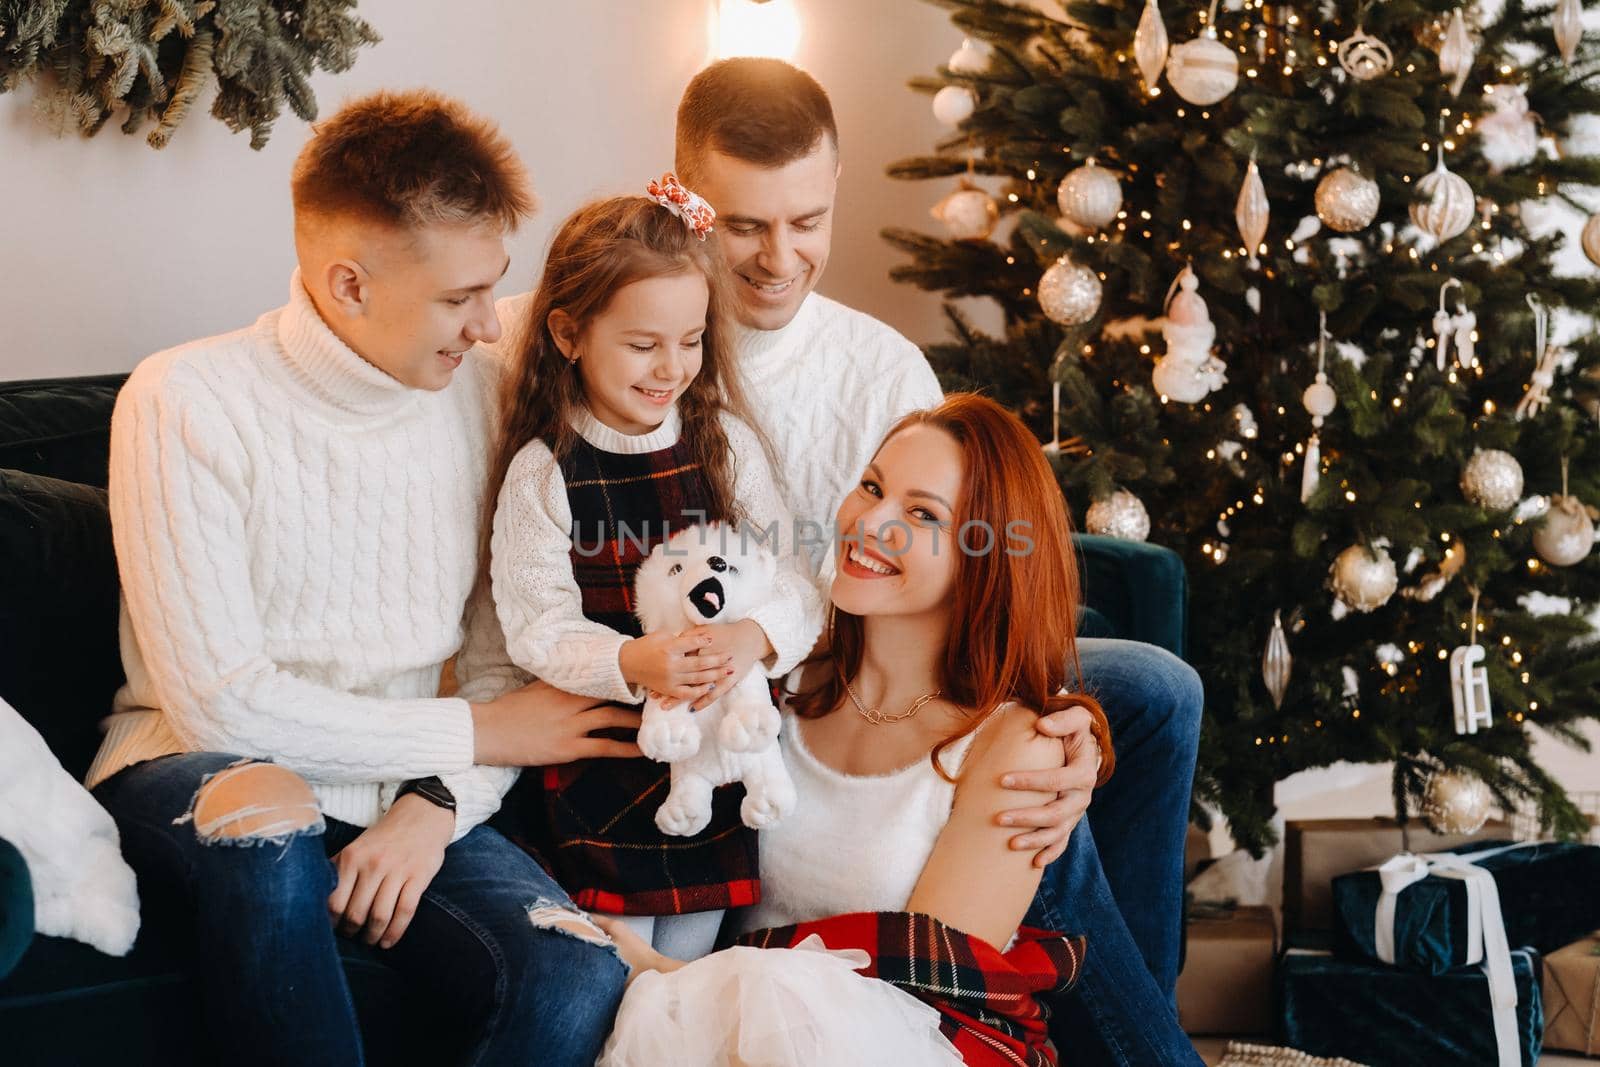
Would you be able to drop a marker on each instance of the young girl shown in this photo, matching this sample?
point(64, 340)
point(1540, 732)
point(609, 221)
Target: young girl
point(620, 427)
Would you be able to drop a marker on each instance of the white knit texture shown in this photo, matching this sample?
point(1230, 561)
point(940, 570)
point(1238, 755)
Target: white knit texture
point(537, 597)
point(296, 535)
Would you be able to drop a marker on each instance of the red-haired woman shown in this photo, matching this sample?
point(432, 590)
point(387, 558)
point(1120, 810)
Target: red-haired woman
point(893, 882)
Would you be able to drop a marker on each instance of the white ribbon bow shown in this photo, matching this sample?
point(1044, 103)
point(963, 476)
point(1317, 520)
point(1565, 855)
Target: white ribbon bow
point(1486, 928)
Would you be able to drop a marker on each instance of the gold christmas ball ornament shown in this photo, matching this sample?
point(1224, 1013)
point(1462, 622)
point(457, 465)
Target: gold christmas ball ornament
point(1364, 579)
point(1346, 201)
point(1591, 239)
point(1121, 515)
point(1090, 196)
point(1069, 293)
point(1364, 57)
point(1445, 205)
point(1455, 803)
point(1567, 534)
point(968, 214)
point(1203, 70)
point(1492, 479)
point(954, 104)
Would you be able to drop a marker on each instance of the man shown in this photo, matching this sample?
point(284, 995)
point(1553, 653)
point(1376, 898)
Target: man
point(757, 139)
point(295, 508)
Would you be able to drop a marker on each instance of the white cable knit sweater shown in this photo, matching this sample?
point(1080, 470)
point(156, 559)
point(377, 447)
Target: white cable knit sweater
point(824, 389)
point(296, 534)
point(538, 599)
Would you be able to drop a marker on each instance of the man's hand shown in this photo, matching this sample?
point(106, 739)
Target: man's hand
point(739, 646)
point(382, 873)
point(1050, 826)
point(539, 725)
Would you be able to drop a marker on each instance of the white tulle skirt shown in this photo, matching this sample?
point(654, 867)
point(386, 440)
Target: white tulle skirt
point(753, 1007)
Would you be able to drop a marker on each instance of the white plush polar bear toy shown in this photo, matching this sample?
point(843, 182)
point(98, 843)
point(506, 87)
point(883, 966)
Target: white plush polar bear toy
point(712, 574)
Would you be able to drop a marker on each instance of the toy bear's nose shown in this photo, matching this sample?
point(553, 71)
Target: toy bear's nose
point(717, 563)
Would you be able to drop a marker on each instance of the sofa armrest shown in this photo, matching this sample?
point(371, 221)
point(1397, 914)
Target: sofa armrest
point(16, 907)
point(1133, 590)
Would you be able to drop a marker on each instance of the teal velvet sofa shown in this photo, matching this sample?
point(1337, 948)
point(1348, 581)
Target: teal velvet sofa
point(65, 1003)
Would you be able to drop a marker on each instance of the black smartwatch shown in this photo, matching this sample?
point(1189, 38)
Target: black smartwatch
point(429, 789)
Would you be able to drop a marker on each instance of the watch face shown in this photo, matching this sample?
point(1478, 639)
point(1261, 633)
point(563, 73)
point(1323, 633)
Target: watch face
point(433, 790)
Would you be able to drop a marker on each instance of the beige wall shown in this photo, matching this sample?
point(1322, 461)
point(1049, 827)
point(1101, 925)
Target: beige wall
point(112, 251)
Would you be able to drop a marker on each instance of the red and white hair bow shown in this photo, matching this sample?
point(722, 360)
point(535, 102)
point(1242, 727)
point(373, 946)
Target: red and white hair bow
point(690, 207)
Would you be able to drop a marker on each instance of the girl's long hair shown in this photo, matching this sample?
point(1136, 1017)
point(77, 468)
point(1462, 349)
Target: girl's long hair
point(601, 248)
point(1015, 607)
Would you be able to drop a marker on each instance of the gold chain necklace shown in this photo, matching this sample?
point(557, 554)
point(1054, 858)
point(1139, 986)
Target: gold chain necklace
point(876, 716)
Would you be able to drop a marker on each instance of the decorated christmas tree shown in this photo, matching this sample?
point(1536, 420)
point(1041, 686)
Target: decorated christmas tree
point(1279, 291)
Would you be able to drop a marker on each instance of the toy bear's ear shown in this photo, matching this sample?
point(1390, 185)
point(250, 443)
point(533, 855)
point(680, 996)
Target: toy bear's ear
point(654, 591)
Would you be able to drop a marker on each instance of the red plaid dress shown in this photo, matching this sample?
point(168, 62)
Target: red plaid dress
point(593, 822)
point(988, 1000)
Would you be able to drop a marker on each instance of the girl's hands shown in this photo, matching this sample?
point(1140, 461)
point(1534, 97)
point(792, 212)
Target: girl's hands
point(739, 646)
point(682, 666)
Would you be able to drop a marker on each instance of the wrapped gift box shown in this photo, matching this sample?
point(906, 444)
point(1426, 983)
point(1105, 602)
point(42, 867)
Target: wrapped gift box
point(1572, 997)
point(1226, 984)
point(1380, 1015)
point(1316, 850)
point(1549, 896)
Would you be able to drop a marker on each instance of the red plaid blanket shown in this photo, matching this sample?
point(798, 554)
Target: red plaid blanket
point(988, 999)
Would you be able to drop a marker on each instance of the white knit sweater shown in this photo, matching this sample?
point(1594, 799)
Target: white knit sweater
point(296, 533)
point(538, 599)
point(824, 389)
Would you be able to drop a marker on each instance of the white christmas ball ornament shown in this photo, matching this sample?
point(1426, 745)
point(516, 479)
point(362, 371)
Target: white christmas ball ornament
point(1089, 196)
point(1445, 206)
point(1363, 579)
point(1203, 70)
point(954, 104)
point(1456, 803)
point(970, 58)
point(969, 213)
point(1591, 239)
point(1120, 515)
point(1319, 398)
point(1567, 534)
point(1069, 293)
point(1346, 201)
point(1492, 479)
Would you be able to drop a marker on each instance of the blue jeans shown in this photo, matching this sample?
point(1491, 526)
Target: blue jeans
point(1120, 882)
point(269, 969)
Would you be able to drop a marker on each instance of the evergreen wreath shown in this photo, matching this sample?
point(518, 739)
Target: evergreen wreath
point(154, 57)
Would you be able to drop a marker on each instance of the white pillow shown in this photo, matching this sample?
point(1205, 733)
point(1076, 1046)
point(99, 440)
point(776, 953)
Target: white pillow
point(82, 887)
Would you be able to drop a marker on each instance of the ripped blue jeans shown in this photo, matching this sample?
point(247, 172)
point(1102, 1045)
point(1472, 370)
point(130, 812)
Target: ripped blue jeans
point(268, 963)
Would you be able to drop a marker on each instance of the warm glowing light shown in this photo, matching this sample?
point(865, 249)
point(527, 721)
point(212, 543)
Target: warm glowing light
point(747, 28)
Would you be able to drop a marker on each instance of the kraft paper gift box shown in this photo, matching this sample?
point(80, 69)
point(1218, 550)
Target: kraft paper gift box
point(1572, 997)
point(1385, 1017)
point(1226, 984)
point(1317, 850)
point(1548, 895)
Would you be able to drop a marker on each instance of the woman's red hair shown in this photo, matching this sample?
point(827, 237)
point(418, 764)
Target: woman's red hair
point(1015, 607)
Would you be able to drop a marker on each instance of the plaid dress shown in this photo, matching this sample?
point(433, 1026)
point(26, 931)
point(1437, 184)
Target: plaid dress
point(593, 821)
point(988, 1001)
